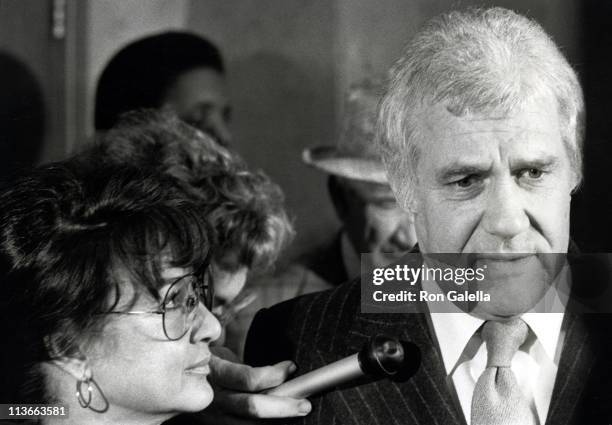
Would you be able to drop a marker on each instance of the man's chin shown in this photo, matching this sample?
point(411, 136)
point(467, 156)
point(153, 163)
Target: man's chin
point(497, 316)
point(509, 298)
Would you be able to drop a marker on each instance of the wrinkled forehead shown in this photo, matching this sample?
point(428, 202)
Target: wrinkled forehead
point(534, 127)
point(538, 113)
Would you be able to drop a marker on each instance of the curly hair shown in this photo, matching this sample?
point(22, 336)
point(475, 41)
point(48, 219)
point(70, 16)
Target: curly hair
point(68, 233)
point(244, 207)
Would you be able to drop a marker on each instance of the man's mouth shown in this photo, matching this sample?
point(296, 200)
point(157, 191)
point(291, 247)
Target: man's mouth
point(502, 256)
point(507, 264)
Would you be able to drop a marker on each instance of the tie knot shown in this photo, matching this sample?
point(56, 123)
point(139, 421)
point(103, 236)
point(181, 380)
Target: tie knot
point(503, 340)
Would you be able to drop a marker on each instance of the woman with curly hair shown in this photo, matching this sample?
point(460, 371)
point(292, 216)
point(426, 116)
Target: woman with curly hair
point(105, 276)
point(244, 207)
point(108, 266)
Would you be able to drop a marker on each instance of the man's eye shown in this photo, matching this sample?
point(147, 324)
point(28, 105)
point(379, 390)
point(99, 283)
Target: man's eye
point(532, 173)
point(467, 181)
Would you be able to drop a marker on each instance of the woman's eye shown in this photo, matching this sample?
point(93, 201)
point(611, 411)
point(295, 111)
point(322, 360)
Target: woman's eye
point(171, 300)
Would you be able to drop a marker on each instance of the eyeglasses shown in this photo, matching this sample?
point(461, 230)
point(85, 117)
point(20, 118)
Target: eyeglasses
point(180, 302)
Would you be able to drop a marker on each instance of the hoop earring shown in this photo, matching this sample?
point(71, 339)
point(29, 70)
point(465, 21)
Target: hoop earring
point(86, 402)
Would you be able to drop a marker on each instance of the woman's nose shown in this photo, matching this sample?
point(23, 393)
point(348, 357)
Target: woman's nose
point(206, 326)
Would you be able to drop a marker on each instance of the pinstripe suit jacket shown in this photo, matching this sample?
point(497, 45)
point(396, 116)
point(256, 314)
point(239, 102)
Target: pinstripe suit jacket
point(317, 329)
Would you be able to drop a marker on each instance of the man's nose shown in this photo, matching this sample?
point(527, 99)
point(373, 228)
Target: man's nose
point(505, 215)
point(206, 327)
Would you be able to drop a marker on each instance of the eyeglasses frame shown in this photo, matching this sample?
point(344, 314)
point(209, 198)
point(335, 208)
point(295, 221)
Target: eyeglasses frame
point(204, 286)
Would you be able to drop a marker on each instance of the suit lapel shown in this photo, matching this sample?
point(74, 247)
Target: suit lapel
point(425, 398)
point(429, 390)
point(575, 366)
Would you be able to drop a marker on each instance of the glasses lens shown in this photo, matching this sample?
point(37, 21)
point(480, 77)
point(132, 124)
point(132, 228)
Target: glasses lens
point(178, 303)
point(181, 301)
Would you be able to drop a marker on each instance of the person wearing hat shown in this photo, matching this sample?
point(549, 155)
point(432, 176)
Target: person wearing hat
point(372, 221)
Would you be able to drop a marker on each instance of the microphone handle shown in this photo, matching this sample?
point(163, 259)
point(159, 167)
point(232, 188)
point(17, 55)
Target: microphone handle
point(321, 379)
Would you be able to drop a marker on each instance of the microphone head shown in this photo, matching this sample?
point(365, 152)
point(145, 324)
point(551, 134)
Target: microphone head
point(386, 357)
point(412, 362)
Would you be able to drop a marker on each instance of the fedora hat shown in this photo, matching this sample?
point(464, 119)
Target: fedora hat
point(355, 155)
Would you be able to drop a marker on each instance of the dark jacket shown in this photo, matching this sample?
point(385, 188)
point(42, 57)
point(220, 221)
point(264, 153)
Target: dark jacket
point(320, 328)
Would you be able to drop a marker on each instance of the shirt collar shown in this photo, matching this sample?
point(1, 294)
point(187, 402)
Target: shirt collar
point(454, 331)
point(546, 327)
point(456, 328)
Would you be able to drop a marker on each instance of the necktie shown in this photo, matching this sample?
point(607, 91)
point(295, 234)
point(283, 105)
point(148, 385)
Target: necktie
point(497, 398)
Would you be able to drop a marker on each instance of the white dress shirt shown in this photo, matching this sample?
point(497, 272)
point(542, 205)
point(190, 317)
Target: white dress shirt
point(465, 356)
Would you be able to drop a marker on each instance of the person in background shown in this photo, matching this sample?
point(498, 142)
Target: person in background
point(245, 210)
point(244, 207)
point(179, 71)
point(372, 221)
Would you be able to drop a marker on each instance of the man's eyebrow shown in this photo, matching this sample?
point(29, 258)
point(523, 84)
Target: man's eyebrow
point(548, 161)
point(457, 169)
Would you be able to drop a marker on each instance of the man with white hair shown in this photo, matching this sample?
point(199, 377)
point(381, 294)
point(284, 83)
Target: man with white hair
point(481, 135)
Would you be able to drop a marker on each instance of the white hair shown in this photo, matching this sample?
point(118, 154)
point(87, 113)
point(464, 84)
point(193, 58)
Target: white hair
point(474, 62)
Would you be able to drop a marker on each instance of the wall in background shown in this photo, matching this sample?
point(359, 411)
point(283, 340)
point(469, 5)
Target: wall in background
point(594, 200)
point(290, 61)
point(111, 24)
point(281, 64)
point(371, 34)
point(33, 90)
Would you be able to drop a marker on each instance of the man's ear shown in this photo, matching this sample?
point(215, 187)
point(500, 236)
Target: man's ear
point(74, 363)
point(338, 197)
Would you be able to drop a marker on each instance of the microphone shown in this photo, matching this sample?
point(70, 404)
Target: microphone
point(381, 357)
